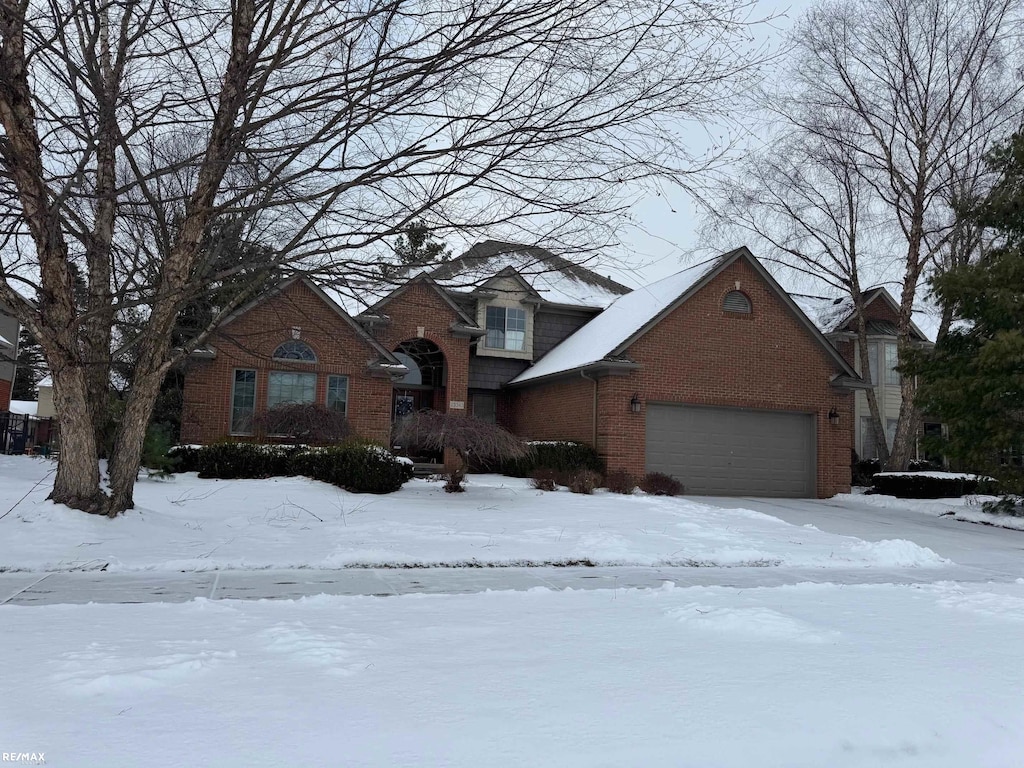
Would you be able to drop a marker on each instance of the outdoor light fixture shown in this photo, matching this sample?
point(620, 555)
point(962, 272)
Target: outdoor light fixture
point(833, 417)
point(634, 404)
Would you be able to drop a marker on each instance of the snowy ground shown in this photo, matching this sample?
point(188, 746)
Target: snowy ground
point(808, 675)
point(188, 524)
point(968, 509)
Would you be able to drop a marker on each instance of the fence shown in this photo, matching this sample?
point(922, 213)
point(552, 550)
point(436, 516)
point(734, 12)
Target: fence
point(21, 433)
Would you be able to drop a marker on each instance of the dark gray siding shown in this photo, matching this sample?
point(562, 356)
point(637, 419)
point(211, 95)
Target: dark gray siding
point(492, 372)
point(550, 328)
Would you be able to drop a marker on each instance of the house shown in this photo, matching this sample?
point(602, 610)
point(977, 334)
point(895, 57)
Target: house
point(714, 375)
point(9, 329)
point(837, 320)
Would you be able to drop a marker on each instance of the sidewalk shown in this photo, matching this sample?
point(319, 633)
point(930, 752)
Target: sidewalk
point(174, 586)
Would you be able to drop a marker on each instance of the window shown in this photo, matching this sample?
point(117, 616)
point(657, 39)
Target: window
point(289, 387)
point(295, 350)
point(868, 450)
point(873, 361)
point(506, 328)
point(337, 394)
point(243, 402)
point(892, 376)
point(736, 301)
point(485, 408)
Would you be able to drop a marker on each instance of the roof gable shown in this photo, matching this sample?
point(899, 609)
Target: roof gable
point(837, 315)
point(432, 285)
point(609, 335)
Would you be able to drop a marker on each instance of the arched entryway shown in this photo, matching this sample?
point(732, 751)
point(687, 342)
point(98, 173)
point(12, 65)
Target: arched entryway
point(424, 385)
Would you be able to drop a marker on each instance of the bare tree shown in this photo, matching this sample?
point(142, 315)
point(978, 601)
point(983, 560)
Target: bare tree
point(130, 129)
point(908, 94)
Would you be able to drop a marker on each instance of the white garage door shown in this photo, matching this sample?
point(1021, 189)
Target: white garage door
point(733, 451)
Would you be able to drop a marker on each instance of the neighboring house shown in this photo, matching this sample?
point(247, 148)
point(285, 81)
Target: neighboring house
point(836, 319)
point(713, 375)
point(9, 329)
point(45, 408)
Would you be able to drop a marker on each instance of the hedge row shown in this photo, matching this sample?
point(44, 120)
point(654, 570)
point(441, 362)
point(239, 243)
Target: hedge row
point(358, 467)
point(930, 485)
point(557, 456)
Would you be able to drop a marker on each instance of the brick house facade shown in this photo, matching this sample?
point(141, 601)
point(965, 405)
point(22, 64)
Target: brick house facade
point(692, 353)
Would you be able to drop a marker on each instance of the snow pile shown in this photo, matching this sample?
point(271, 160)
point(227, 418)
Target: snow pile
point(188, 524)
point(967, 509)
point(808, 676)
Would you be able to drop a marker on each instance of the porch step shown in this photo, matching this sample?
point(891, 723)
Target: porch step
point(420, 469)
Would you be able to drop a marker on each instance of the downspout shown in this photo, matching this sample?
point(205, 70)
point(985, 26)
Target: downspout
point(594, 415)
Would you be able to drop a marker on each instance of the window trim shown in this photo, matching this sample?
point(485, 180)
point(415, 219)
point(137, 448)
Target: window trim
point(312, 351)
point(255, 392)
point(270, 375)
point(504, 328)
point(327, 391)
point(890, 372)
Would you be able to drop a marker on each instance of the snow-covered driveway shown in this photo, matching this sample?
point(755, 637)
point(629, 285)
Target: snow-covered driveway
point(991, 553)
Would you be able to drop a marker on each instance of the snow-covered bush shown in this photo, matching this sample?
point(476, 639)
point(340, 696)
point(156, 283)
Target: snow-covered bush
point(660, 484)
point(930, 485)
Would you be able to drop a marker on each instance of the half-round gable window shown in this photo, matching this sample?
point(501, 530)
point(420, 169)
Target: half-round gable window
point(295, 350)
point(736, 301)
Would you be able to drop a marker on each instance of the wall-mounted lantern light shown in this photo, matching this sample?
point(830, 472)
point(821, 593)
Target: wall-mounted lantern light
point(833, 417)
point(634, 404)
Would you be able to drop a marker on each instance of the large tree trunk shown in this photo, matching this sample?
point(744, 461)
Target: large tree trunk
point(126, 457)
point(77, 484)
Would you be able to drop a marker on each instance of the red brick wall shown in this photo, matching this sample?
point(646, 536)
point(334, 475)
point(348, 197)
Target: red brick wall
point(249, 342)
point(5, 395)
point(700, 354)
point(421, 306)
point(562, 410)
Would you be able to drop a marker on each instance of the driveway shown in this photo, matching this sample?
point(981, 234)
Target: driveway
point(997, 553)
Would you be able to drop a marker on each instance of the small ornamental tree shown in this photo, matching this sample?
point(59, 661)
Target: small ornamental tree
point(307, 423)
point(467, 436)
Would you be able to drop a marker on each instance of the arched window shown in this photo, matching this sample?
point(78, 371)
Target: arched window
point(295, 350)
point(736, 301)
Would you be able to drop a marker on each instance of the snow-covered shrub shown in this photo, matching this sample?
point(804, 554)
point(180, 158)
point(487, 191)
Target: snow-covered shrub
point(236, 461)
point(620, 481)
point(1005, 505)
point(186, 457)
point(543, 479)
point(358, 467)
point(660, 484)
point(930, 485)
point(559, 456)
point(584, 481)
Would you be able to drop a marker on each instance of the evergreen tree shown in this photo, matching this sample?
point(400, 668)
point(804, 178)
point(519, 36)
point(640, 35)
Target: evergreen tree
point(416, 248)
point(31, 368)
point(974, 379)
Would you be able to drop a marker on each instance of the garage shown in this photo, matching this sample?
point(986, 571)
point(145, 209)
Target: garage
point(733, 451)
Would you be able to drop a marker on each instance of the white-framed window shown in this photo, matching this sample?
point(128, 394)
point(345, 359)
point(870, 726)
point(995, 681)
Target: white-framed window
point(293, 349)
point(290, 387)
point(337, 394)
point(892, 361)
point(243, 401)
point(506, 328)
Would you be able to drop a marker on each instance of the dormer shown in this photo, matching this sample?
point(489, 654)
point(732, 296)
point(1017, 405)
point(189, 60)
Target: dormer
point(505, 309)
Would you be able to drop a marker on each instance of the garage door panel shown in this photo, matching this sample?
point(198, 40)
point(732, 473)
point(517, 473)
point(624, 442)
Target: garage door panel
point(733, 451)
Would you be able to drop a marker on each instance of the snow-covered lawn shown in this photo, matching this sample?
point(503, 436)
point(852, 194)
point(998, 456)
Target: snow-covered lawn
point(190, 524)
point(802, 676)
point(967, 508)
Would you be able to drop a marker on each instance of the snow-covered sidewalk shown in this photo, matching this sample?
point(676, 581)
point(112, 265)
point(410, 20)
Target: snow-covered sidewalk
point(188, 524)
point(808, 675)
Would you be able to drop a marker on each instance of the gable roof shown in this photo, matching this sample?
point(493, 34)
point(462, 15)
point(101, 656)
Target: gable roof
point(428, 281)
point(834, 315)
point(554, 279)
point(339, 310)
point(605, 338)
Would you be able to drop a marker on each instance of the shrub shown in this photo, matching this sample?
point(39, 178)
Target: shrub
point(660, 484)
point(236, 461)
point(584, 481)
point(543, 479)
point(308, 423)
point(620, 481)
point(930, 485)
point(357, 467)
point(1005, 505)
point(558, 456)
point(864, 470)
point(471, 438)
point(186, 457)
point(156, 451)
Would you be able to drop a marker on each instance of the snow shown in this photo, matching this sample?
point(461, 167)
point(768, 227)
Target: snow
point(967, 508)
point(609, 330)
point(46, 381)
point(4, 342)
point(923, 676)
point(936, 475)
point(828, 314)
point(189, 524)
point(27, 407)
